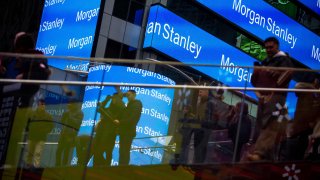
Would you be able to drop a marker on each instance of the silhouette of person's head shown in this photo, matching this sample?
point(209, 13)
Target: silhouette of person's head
point(23, 42)
point(131, 95)
point(272, 46)
point(41, 104)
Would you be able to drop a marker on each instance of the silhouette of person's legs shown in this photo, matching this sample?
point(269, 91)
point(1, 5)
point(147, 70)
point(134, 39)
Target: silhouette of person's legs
point(104, 143)
point(30, 152)
point(63, 151)
point(109, 143)
point(125, 147)
point(200, 145)
point(186, 137)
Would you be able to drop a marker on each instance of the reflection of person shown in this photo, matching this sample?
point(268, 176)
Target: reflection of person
point(127, 126)
point(313, 152)
point(245, 127)
point(270, 102)
point(26, 68)
point(187, 125)
point(23, 68)
point(220, 111)
point(107, 129)
point(40, 125)
point(71, 121)
point(305, 117)
point(205, 115)
point(83, 147)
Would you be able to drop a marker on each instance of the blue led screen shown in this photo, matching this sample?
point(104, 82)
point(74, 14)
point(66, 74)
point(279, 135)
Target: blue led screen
point(183, 41)
point(262, 20)
point(67, 28)
point(166, 32)
point(314, 5)
point(152, 129)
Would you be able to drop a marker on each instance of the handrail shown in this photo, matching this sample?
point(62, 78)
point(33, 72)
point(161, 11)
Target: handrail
point(137, 61)
point(178, 70)
point(55, 82)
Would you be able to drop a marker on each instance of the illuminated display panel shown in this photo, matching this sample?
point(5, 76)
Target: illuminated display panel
point(262, 20)
point(155, 117)
point(67, 28)
point(165, 29)
point(314, 5)
point(183, 41)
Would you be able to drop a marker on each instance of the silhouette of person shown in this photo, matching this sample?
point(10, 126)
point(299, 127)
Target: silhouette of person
point(241, 115)
point(23, 68)
point(26, 68)
point(305, 118)
point(187, 123)
point(82, 148)
point(205, 115)
point(40, 125)
point(71, 122)
point(107, 128)
point(270, 102)
point(127, 126)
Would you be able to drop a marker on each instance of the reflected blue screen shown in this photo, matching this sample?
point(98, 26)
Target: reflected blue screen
point(314, 5)
point(67, 28)
point(152, 129)
point(183, 41)
point(262, 20)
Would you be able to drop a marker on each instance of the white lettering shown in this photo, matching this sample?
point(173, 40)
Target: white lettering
point(106, 68)
point(149, 131)
point(87, 15)
point(49, 25)
point(74, 43)
point(78, 67)
point(49, 50)
point(48, 3)
point(145, 73)
point(88, 123)
point(94, 87)
point(315, 53)
point(239, 72)
point(183, 41)
point(160, 96)
point(161, 116)
point(147, 151)
point(255, 18)
point(89, 104)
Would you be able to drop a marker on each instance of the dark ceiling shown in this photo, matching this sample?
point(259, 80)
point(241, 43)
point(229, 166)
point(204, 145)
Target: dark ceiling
point(17, 16)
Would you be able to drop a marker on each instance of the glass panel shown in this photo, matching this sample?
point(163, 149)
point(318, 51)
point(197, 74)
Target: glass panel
point(120, 9)
point(153, 116)
point(136, 13)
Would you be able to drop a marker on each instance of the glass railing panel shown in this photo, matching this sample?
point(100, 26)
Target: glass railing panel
point(85, 121)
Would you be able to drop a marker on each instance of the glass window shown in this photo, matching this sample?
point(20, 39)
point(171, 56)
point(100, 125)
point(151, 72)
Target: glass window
point(136, 13)
point(117, 50)
point(120, 9)
point(134, 8)
point(113, 49)
point(128, 52)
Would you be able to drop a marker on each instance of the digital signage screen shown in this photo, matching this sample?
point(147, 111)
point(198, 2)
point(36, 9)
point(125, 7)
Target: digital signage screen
point(183, 41)
point(152, 128)
point(67, 28)
point(314, 5)
point(262, 20)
